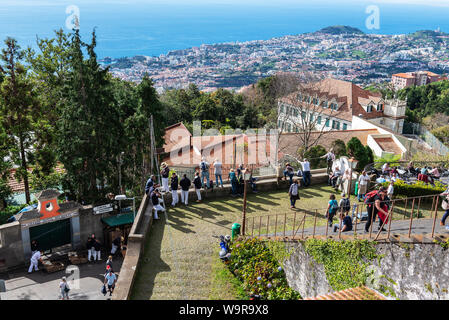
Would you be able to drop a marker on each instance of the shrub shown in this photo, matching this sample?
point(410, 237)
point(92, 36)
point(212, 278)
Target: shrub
point(418, 188)
point(9, 211)
point(314, 154)
point(339, 148)
point(361, 153)
point(253, 264)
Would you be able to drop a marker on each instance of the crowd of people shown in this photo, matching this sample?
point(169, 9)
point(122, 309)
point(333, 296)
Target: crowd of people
point(172, 183)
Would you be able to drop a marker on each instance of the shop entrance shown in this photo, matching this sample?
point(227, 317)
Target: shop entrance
point(52, 235)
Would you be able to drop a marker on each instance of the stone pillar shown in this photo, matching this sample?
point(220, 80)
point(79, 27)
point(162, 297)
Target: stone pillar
point(76, 234)
point(26, 243)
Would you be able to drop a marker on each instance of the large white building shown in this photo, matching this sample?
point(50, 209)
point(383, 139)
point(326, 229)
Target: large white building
point(330, 104)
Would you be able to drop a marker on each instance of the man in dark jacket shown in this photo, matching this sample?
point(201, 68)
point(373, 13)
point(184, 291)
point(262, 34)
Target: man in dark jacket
point(174, 189)
point(150, 185)
point(90, 248)
point(156, 202)
point(97, 247)
point(185, 186)
point(197, 183)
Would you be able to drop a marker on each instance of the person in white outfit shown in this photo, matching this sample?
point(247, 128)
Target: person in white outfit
point(165, 173)
point(35, 258)
point(185, 186)
point(156, 201)
point(197, 184)
point(174, 189)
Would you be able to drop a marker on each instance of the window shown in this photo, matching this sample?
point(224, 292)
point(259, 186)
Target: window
point(327, 122)
point(380, 107)
point(335, 124)
point(282, 109)
point(303, 114)
point(289, 127)
point(296, 112)
point(311, 117)
point(334, 106)
point(345, 126)
point(296, 129)
point(318, 120)
point(369, 108)
point(325, 104)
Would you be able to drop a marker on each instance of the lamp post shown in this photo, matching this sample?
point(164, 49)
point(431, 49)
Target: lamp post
point(246, 177)
point(352, 165)
point(121, 197)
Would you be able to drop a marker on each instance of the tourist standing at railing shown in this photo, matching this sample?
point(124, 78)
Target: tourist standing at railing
point(197, 184)
point(293, 192)
point(204, 168)
point(305, 172)
point(375, 201)
point(240, 180)
point(330, 158)
point(218, 171)
point(445, 206)
point(165, 172)
point(234, 182)
point(185, 186)
point(174, 189)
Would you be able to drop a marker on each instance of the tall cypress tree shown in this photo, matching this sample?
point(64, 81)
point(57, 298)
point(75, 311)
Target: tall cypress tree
point(89, 131)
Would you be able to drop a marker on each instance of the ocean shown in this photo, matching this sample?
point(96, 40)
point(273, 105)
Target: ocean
point(138, 27)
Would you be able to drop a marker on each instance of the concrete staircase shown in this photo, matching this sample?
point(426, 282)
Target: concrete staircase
point(359, 293)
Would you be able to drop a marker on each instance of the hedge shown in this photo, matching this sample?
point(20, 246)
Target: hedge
point(259, 271)
point(416, 189)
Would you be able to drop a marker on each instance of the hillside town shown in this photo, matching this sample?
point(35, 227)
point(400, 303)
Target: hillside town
point(357, 57)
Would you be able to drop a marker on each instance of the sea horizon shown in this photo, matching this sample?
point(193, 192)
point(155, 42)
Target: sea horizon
point(132, 28)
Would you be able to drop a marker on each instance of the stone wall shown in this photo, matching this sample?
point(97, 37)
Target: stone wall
point(11, 248)
point(405, 271)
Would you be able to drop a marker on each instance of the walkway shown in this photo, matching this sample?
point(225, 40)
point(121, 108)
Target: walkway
point(45, 286)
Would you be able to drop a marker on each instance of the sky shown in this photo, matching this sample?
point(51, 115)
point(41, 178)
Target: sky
point(443, 3)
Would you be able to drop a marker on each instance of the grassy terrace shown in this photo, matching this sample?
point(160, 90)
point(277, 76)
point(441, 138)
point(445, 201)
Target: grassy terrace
point(181, 257)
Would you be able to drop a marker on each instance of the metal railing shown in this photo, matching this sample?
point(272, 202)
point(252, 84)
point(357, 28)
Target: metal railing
point(302, 224)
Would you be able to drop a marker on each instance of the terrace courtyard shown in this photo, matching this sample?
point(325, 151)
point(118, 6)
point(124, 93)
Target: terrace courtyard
point(181, 255)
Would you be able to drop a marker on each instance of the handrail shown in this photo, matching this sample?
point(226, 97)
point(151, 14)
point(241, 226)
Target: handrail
point(292, 226)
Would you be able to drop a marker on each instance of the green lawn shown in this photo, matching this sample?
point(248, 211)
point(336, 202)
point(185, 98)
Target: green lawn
point(180, 260)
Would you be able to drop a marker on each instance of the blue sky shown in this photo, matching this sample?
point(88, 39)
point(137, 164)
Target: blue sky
point(444, 3)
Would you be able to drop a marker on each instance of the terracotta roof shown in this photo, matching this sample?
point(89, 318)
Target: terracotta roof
point(404, 75)
point(289, 143)
point(387, 144)
point(19, 186)
point(174, 135)
point(359, 293)
point(345, 93)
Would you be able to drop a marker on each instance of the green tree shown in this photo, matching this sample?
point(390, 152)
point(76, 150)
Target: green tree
point(20, 109)
point(90, 134)
point(362, 154)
